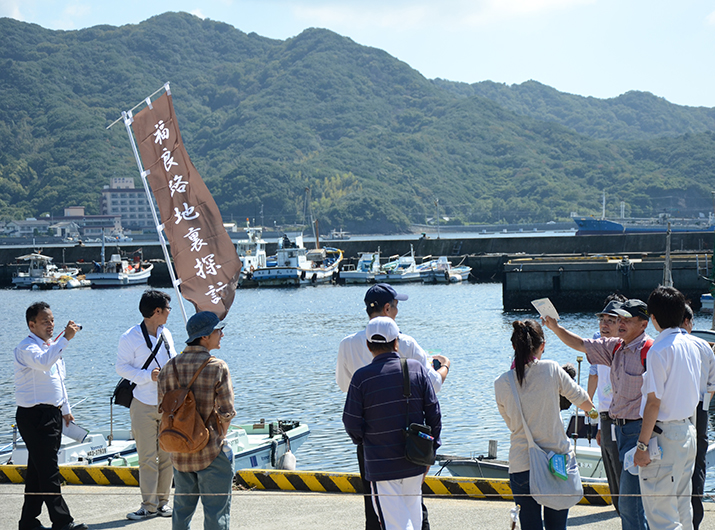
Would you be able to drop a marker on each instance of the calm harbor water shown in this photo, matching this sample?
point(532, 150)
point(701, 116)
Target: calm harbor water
point(281, 346)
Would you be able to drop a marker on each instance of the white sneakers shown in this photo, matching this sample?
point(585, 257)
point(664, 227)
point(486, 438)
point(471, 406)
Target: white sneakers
point(165, 511)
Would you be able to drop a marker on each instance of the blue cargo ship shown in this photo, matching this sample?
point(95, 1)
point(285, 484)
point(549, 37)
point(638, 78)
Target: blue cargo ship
point(591, 225)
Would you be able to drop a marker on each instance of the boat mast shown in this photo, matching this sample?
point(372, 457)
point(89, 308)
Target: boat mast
point(603, 207)
point(667, 274)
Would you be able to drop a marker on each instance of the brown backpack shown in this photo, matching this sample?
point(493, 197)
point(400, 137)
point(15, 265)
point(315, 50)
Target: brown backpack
point(182, 428)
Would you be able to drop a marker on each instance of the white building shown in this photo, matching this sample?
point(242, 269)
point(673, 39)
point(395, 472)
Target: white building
point(122, 199)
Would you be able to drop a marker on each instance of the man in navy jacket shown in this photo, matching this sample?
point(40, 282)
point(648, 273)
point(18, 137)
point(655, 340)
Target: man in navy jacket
point(375, 415)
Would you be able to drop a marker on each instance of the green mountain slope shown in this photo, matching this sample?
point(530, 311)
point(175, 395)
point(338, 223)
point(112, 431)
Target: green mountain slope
point(375, 141)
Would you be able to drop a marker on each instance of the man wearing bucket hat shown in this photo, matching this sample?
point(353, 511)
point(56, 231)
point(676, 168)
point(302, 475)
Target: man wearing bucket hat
point(210, 470)
point(375, 416)
point(381, 301)
point(625, 355)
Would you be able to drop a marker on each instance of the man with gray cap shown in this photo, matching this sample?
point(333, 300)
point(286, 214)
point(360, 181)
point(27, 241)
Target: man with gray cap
point(376, 412)
point(625, 355)
point(210, 470)
point(381, 301)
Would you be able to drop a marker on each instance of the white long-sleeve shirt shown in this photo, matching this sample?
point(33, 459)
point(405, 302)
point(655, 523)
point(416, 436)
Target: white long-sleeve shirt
point(353, 355)
point(40, 373)
point(133, 353)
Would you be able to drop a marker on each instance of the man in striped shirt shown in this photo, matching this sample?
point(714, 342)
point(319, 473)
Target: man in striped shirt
point(375, 415)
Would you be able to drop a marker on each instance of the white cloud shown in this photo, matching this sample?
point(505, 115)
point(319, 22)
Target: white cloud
point(198, 13)
point(11, 9)
point(405, 15)
point(710, 19)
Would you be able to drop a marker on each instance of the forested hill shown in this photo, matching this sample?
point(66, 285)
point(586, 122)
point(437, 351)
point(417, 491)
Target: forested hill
point(375, 141)
point(630, 116)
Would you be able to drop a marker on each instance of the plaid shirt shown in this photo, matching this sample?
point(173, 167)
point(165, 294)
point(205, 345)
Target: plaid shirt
point(626, 372)
point(213, 391)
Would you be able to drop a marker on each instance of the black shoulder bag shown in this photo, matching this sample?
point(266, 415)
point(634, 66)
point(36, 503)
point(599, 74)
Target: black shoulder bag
point(419, 442)
point(124, 391)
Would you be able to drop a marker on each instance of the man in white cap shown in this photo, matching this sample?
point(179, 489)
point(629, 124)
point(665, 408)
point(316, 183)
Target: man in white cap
point(381, 301)
point(375, 415)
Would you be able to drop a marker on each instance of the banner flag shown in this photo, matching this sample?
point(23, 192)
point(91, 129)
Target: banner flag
point(207, 265)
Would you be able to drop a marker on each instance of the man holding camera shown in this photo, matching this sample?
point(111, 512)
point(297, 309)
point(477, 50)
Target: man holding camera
point(42, 407)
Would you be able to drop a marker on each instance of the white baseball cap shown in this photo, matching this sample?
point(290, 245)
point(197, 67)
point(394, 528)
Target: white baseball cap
point(382, 330)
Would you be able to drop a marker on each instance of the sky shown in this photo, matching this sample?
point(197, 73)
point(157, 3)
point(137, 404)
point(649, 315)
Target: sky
point(599, 48)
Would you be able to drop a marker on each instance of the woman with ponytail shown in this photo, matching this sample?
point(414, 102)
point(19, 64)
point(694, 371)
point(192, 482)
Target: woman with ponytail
point(539, 384)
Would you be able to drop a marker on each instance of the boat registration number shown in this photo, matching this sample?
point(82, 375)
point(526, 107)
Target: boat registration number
point(96, 452)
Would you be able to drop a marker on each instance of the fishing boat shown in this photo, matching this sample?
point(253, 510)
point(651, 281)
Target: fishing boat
point(43, 274)
point(296, 265)
point(367, 267)
point(588, 456)
point(441, 270)
point(257, 445)
point(252, 253)
point(337, 235)
point(401, 270)
point(118, 272)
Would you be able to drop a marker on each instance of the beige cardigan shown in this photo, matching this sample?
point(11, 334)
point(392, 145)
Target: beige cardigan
point(544, 380)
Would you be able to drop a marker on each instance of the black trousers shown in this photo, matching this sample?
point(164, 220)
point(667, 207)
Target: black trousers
point(698, 480)
point(41, 430)
point(372, 522)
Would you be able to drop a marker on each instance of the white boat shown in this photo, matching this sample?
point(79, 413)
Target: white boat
point(43, 274)
point(252, 253)
point(258, 445)
point(296, 265)
point(588, 457)
point(402, 270)
point(706, 303)
point(441, 270)
point(367, 267)
point(337, 235)
point(118, 272)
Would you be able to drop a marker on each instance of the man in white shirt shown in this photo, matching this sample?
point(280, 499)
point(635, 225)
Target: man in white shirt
point(381, 300)
point(135, 348)
point(707, 386)
point(671, 388)
point(42, 407)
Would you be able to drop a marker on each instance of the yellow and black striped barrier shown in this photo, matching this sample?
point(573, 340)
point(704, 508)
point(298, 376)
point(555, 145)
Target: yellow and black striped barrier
point(87, 475)
point(477, 488)
point(596, 494)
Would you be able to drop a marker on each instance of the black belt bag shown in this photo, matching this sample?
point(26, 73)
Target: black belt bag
point(419, 442)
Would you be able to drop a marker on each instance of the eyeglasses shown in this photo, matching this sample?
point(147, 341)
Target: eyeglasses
point(168, 308)
point(607, 319)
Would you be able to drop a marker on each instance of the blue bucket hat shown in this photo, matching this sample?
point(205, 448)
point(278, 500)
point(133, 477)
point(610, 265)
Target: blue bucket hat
point(202, 324)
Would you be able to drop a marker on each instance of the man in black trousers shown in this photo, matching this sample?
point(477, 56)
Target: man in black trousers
point(42, 406)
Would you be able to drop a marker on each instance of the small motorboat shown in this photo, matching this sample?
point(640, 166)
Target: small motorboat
point(401, 270)
point(706, 303)
point(441, 270)
point(43, 274)
point(257, 445)
point(368, 266)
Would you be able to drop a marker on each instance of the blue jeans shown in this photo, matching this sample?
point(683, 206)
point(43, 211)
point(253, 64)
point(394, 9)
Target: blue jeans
point(630, 508)
point(530, 511)
point(210, 483)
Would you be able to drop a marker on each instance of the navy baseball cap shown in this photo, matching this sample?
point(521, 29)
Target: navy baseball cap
point(610, 309)
point(380, 294)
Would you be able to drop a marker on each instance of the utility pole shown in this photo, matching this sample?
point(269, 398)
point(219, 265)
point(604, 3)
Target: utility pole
point(436, 203)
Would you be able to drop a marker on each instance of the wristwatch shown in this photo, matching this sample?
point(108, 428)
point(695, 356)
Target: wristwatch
point(642, 447)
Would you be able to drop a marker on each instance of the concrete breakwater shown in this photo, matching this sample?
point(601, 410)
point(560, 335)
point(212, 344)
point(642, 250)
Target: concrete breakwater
point(550, 265)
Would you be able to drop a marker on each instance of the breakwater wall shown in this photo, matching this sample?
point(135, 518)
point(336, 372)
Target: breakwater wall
point(486, 254)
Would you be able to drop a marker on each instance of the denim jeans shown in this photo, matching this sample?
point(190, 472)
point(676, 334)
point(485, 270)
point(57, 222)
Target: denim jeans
point(630, 507)
point(530, 511)
point(210, 483)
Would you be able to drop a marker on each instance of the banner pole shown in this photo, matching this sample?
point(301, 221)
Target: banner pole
point(128, 119)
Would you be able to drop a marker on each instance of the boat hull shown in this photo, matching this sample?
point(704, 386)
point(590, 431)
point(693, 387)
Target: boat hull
point(119, 279)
